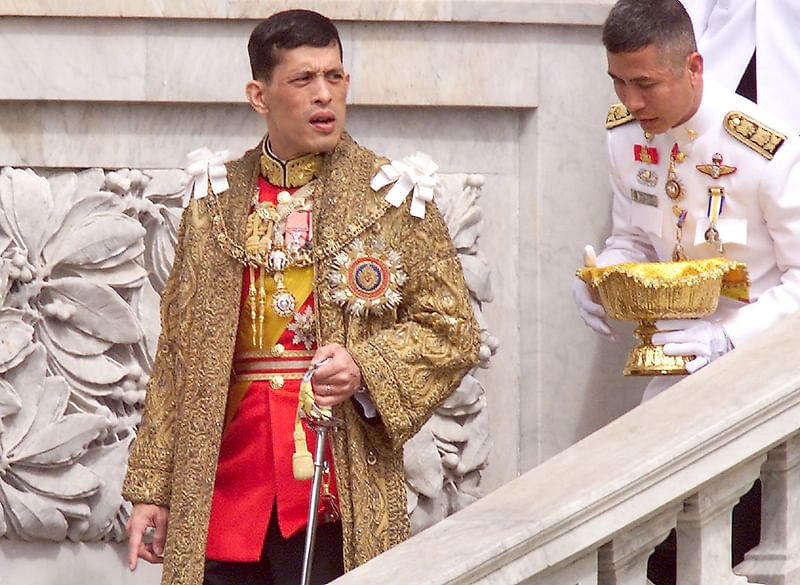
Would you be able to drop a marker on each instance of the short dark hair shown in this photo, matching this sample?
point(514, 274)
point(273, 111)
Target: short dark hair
point(635, 24)
point(288, 30)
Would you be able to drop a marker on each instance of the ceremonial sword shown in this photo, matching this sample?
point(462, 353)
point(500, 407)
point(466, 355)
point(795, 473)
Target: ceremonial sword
point(320, 420)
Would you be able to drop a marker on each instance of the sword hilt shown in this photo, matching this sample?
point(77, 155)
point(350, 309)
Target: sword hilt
point(314, 414)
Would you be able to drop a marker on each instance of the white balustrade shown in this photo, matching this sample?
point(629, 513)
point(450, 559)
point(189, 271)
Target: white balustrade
point(776, 560)
point(704, 528)
point(592, 513)
point(623, 561)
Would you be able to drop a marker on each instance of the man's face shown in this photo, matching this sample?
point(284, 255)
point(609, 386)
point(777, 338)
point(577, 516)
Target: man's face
point(304, 101)
point(659, 95)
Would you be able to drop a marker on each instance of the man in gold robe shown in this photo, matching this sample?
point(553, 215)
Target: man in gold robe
point(309, 251)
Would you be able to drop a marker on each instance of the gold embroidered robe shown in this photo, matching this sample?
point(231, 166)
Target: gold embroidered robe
point(411, 358)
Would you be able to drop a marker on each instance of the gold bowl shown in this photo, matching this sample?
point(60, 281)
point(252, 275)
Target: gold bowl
point(649, 291)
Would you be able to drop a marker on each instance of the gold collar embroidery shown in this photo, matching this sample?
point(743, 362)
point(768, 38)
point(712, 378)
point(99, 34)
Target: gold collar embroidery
point(294, 173)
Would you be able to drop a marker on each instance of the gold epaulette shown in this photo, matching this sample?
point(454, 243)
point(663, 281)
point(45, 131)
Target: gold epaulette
point(618, 115)
point(762, 139)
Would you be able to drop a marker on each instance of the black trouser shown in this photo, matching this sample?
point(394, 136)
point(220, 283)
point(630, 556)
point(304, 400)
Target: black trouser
point(282, 560)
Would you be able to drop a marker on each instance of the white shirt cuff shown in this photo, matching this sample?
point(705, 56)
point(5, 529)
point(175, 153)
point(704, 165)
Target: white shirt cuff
point(364, 399)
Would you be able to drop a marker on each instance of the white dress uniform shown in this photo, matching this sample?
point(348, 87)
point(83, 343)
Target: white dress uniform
point(758, 221)
point(728, 31)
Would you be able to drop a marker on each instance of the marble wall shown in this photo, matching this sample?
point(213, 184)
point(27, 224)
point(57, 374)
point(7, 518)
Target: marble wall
point(515, 90)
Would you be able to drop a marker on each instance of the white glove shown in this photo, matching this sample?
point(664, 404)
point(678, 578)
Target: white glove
point(704, 340)
point(592, 313)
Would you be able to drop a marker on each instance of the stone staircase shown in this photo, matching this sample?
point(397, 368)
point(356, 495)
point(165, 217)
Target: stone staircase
point(593, 513)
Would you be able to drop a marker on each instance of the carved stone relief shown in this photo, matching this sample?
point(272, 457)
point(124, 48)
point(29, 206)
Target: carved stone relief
point(444, 460)
point(83, 258)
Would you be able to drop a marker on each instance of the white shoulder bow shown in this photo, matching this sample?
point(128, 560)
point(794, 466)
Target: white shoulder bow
point(204, 165)
point(415, 173)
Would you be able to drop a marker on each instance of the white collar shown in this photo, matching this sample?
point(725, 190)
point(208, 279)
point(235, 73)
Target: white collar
point(704, 119)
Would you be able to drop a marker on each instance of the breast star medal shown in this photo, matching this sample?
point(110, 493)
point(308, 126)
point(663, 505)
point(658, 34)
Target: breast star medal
point(303, 328)
point(367, 278)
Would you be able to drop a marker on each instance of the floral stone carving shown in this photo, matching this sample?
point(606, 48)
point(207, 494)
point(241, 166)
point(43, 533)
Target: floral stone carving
point(73, 360)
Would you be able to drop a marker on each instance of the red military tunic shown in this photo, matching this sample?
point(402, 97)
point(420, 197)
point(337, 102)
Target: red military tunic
point(254, 473)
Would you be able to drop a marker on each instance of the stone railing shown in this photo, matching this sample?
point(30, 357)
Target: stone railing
point(593, 513)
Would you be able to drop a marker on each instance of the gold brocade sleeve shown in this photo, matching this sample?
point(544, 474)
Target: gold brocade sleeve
point(411, 364)
point(150, 465)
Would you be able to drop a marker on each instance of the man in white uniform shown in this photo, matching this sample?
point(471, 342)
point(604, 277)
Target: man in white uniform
point(696, 171)
point(703, 173)
point(752, 43)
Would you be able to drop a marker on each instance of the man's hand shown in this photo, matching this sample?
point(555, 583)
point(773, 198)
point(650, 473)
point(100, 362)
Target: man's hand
point(589, 307)
point(144, 516)
point(703, 339)
point(338, 378)
point(592, 312)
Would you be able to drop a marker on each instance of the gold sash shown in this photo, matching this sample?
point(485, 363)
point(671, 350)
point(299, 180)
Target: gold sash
point(300, 282)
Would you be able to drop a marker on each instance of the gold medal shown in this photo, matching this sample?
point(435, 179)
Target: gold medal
point(673, 187)
point(712, 235)
point(283, 303)
point(716, 201)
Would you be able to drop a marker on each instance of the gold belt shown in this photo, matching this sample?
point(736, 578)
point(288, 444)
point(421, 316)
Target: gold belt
point(289, 365)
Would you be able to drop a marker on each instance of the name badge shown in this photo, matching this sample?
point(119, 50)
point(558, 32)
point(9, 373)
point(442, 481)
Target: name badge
point(644, 198)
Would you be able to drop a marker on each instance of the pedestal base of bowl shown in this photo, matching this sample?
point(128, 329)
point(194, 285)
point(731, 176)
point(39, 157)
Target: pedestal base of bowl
point(649, 360)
